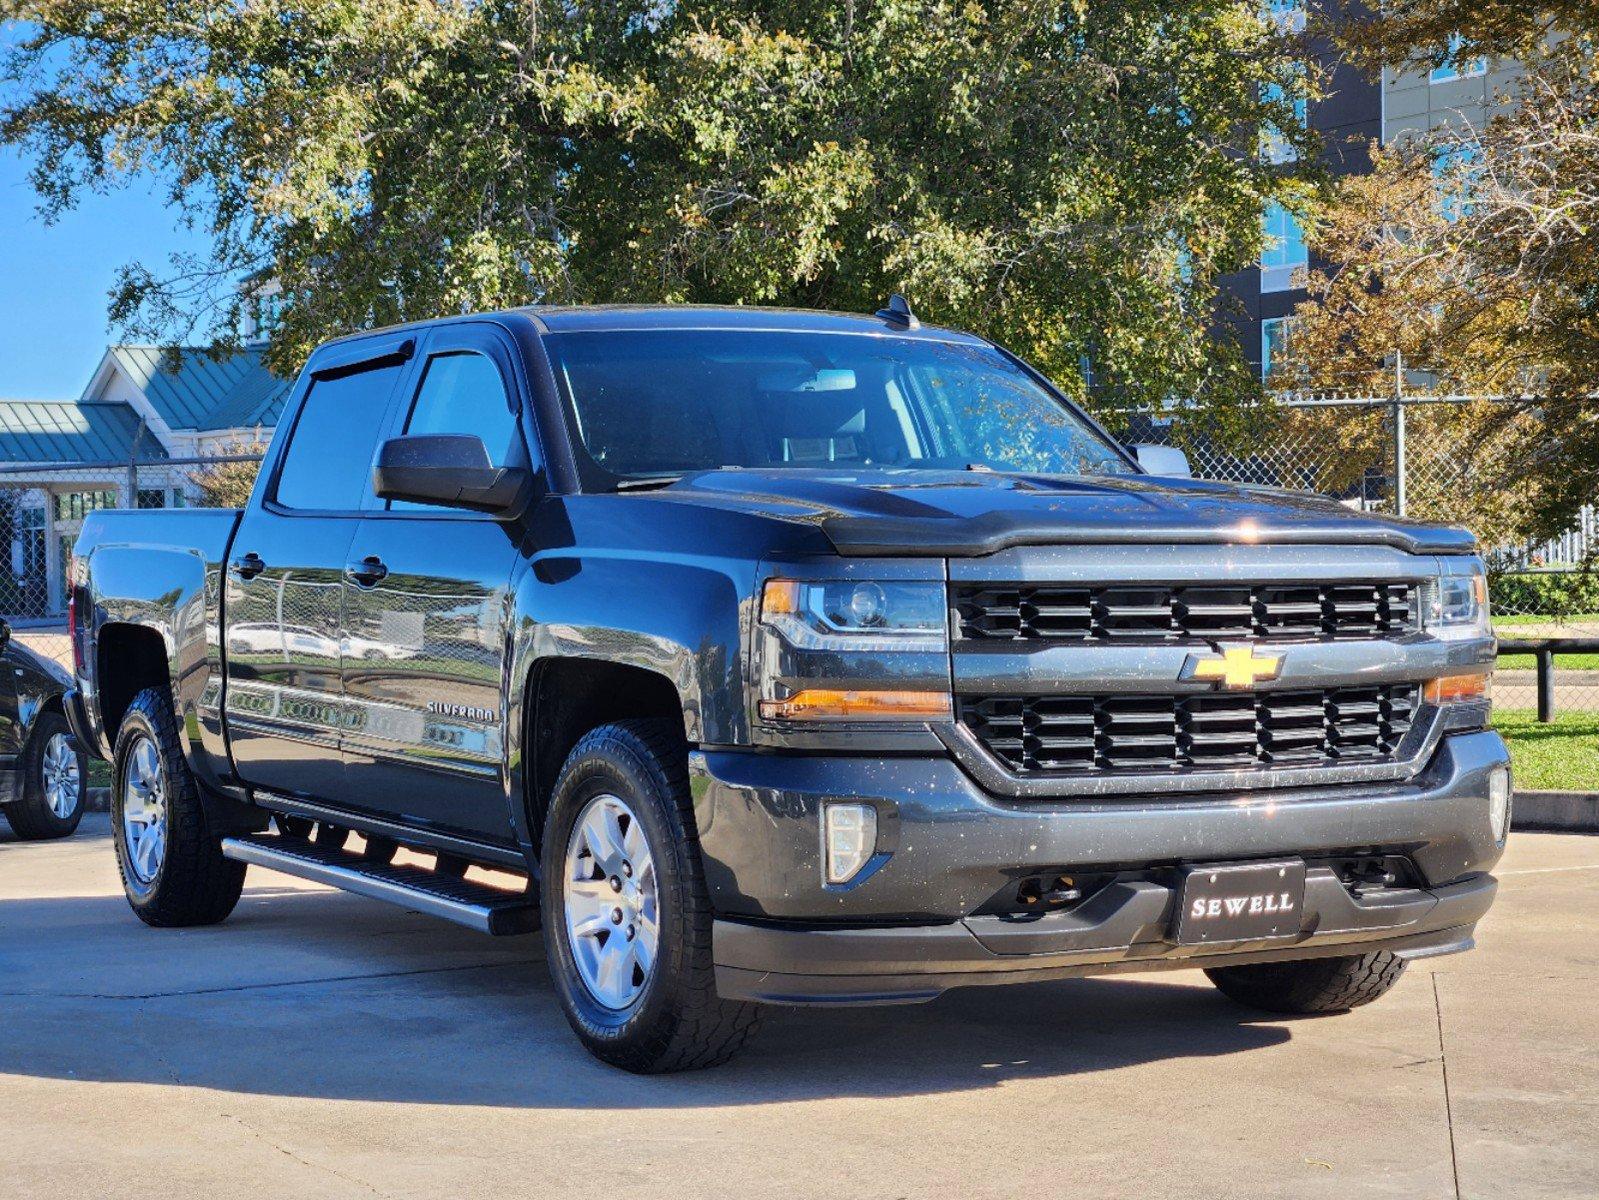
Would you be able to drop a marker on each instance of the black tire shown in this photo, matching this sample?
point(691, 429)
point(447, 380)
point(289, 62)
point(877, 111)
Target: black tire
point(330, 837)
point(192, 883)
point(380, 849)
point(32, 818)
point(677, 1022)
point(1312, 985)
point(298, 828)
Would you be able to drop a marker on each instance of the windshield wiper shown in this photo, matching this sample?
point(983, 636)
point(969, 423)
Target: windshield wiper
point(644, 483)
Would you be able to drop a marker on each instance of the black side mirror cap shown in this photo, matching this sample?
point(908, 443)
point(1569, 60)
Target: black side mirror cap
point(452, 470)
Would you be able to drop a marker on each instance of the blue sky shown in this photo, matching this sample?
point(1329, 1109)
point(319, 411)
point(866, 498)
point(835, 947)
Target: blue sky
point(54, 280)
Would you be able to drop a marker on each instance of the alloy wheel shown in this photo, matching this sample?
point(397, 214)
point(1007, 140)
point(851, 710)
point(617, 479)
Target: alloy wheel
point(144, 811)
point(61, 780)
point(612, 908)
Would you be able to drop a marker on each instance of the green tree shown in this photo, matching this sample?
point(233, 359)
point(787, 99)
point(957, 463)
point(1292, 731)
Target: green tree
point(1470, 250)
point(1067, 177)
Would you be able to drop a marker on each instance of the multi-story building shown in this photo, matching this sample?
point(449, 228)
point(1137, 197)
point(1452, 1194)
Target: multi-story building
point(1347, 119)
point(1354, 112)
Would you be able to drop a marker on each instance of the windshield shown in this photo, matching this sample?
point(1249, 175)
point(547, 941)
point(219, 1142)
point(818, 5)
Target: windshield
point(649, 403)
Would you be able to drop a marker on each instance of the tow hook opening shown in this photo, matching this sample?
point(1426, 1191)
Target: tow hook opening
point(1034, 896)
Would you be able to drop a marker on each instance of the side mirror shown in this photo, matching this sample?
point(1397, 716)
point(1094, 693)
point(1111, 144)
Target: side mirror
point(452, 470)
point(1162, 460)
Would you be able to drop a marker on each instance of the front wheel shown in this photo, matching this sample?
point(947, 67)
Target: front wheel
point(53, 784)
point(627, 918)
point(1312, 985)
point(173, 871)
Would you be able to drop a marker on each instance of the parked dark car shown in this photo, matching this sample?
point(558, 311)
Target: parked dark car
point(797, 658)
point(43, 771)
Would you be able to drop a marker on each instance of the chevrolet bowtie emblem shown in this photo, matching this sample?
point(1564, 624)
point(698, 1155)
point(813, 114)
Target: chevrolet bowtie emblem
point(1237, 667)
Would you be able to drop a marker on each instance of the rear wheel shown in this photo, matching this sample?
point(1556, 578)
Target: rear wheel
point(1313, 985)
point(173, 871)
point(629, 922)
point(53, 782)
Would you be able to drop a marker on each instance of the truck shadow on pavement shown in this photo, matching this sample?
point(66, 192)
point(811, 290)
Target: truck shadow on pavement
point(322, 995)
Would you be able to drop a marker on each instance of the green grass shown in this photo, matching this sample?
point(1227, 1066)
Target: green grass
point(1561, 756)
point(1563, 662)
point(1537, 619)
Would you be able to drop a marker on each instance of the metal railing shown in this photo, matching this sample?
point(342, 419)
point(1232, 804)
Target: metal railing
point(43, 506)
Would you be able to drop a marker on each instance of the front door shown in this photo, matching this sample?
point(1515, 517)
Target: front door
point(427, 612)
point(285, 586)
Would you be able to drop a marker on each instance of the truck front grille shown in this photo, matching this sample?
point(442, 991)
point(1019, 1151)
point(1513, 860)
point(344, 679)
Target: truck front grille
point(1215, 731)
point(1179, 613)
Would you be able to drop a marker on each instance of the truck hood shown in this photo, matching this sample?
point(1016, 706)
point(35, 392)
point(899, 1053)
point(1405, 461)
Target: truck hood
point(969, 513)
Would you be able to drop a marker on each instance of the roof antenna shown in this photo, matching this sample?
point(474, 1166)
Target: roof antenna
point(899, 313)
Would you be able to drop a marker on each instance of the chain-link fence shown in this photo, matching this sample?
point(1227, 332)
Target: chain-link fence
point(1446, 458)
point(1438, 457)
point(42, 508)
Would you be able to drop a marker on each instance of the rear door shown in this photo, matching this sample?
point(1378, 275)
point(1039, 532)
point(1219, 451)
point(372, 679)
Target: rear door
point(285, 580)
point(427, 611)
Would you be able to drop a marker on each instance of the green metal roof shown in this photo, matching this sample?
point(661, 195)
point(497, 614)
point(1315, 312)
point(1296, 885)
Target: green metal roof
point(203, 392)
point(59, 431)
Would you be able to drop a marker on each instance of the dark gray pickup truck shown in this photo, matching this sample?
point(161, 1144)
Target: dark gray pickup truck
point(791, 657)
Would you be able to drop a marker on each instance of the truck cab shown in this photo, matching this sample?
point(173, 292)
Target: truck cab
point(766, 656)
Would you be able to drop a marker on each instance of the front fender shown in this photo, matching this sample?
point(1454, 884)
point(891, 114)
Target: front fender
point(682, 618)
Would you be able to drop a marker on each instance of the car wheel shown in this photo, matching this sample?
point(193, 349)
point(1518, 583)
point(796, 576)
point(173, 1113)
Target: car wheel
point(1312, 985)
point(627, 919)
point(173, 871)
point(54, 775)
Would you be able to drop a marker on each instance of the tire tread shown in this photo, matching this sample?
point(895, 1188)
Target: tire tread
point(30, 816)
point(1315, 985)
point(196, 884)
point(705, 1030)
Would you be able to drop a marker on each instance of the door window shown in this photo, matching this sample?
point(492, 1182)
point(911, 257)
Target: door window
point(328, 464)
point(462, 392)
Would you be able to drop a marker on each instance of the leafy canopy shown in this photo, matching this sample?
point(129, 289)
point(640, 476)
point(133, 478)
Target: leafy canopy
point(1066, 177)
point(1471, 250)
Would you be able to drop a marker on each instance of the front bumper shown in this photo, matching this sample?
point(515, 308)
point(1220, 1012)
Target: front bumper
point(905, 929)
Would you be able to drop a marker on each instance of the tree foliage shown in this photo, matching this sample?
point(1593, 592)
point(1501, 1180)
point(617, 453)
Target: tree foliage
point(1067, 177)
point(228, 482)
point(1471, 252)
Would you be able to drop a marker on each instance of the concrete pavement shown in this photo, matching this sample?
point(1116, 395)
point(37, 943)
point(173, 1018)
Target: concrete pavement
point(319, 1044)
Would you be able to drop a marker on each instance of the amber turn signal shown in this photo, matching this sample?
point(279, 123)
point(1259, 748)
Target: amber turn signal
point(1456, 689)
point(778, 597)
point(827, 704)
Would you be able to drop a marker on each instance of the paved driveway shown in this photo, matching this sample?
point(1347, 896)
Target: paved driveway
point(319, 1044)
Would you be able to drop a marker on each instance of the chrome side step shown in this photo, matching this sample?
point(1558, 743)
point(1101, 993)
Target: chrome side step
point(475, 905)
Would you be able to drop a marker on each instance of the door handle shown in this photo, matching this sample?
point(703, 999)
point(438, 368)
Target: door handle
point(369, 571)
point(247, 567)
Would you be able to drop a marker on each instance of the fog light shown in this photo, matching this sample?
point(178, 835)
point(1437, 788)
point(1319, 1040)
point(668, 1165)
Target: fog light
point(849, 835)
point(1499, 802)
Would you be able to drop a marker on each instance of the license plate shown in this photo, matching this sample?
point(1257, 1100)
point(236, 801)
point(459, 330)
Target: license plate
point(1240, 902)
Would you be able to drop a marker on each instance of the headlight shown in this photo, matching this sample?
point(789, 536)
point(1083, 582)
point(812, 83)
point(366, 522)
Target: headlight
point(857, 615)
point(1455, 605)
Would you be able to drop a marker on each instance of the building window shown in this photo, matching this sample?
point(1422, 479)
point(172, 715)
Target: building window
point(152, 498)
point(1284, 260)
point(74, 506)
point(1454, 67)
point(1456, 170)
point(1274, 333)
point(1274, 147)
point(1287, 15)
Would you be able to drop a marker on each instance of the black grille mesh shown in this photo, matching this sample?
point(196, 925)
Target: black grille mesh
point(1172, 613)
point(1203, 731)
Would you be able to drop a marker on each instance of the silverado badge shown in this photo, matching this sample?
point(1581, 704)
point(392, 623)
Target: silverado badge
point(1237, 667)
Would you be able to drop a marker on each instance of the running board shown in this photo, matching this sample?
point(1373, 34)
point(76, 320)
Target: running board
point(475, 905)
